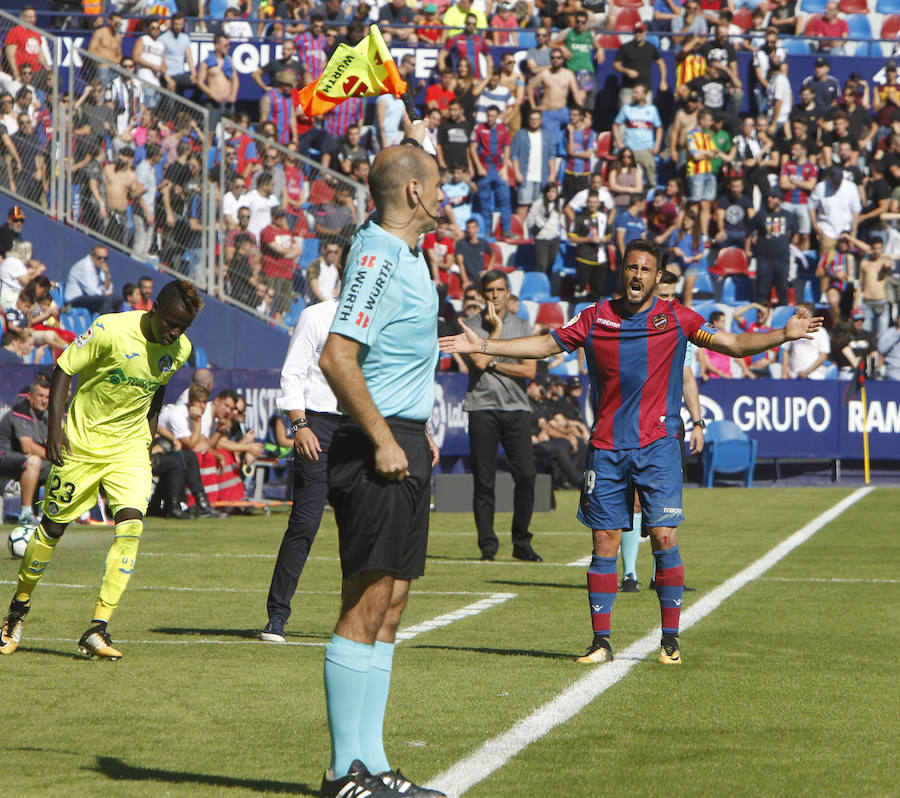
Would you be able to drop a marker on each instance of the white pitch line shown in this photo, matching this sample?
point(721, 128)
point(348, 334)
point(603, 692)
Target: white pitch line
point(833, 581)
point(490, 600)
point(582, 563)
point(445, 620)
point(495, 753)
point(251, 590)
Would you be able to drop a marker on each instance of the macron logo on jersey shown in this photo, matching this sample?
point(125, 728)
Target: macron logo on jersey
point(609, 323)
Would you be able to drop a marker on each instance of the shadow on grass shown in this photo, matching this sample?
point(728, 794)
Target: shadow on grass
point(516, 583)
point(50, 652)
point(503, 652)
point(246, 634)
point(116, 769)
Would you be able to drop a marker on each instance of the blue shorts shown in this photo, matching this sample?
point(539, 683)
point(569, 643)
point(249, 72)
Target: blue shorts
point(654, 471)
point(702, 187)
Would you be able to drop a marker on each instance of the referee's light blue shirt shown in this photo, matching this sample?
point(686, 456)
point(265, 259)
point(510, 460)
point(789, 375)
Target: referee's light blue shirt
point(389, 304)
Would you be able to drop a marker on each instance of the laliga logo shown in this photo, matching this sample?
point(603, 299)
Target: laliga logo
point(447, 414)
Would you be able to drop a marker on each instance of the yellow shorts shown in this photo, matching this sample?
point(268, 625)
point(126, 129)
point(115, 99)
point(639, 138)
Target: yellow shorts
point(71, 489)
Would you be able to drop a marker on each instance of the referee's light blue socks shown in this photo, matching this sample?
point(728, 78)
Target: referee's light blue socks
point(346, 676)
point(631, 541)
point(371, 723)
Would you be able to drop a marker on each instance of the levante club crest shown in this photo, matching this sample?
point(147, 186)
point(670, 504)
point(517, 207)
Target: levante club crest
point(660, 321)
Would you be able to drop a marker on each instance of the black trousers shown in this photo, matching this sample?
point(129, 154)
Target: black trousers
point(310, 489)
point(487, 429)
point(175, 470)
point(545, 250)
point(769, 273)
point(561, 461)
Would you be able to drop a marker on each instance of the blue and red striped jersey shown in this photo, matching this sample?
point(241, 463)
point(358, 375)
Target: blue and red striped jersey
point(635, 363)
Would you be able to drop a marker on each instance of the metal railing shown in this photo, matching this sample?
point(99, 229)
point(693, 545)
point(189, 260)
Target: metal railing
point(323, 208)
point(105, 132)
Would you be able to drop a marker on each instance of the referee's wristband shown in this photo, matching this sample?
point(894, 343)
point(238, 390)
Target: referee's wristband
point(300, 423)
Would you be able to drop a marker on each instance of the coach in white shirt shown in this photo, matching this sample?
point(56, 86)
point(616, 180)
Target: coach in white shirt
point(313, 413)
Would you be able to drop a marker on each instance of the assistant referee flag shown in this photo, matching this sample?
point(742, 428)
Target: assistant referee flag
point(365, 70)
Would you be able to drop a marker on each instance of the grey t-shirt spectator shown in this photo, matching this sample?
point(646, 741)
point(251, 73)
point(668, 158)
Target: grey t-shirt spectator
point(21, 422)
point(489, 390)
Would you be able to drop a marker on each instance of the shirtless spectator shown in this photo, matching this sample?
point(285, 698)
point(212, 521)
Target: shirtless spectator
point(512, 79)
point(218, 79)
point(122, 189)
point(685, 120)
point(555, 85)
point(874, 269)
point(106, 44)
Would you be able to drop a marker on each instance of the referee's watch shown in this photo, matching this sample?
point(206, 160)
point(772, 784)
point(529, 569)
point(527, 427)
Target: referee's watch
point(300, 423)
point(699, 423)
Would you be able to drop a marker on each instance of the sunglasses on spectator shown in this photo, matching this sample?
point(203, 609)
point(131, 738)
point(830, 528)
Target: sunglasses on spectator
point(101, 257)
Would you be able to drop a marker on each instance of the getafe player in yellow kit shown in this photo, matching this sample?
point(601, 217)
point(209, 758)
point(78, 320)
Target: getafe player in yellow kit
point(123, 362)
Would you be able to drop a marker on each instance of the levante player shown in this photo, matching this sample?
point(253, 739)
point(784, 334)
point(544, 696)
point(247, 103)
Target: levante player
point(123, 362)
point(634, 347)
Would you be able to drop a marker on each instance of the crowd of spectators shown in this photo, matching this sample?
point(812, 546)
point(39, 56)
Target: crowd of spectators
point(811, 169)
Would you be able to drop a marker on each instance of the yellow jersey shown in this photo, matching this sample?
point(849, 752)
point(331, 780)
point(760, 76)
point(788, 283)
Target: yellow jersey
point(119, 371)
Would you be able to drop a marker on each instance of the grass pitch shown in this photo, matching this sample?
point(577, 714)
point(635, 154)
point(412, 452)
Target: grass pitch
point(787, 688)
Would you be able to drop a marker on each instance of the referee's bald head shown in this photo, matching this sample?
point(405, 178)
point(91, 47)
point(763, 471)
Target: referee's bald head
point(399, 176)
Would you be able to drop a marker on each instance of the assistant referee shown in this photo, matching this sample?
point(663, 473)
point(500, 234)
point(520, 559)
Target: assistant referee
point(379, 359)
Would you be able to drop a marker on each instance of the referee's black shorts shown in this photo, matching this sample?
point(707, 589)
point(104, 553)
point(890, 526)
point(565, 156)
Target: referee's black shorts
point(382, 524)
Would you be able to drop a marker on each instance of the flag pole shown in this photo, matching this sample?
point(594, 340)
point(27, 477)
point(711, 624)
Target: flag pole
point(865, 418)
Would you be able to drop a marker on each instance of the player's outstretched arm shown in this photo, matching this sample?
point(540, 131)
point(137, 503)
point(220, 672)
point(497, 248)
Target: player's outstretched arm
point(532, 346)
point(800, 325)
point(56, 436)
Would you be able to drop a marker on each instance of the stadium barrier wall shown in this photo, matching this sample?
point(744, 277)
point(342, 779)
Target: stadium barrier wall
point(790, 419)
point(228, 335)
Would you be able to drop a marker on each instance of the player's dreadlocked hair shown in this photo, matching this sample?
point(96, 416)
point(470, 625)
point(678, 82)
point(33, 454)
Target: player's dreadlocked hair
point(183, 293)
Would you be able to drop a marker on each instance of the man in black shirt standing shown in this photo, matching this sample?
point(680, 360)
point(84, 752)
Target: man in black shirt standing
point(453, 139)
point(773, 229)
point(12, 230)
point(633, 62)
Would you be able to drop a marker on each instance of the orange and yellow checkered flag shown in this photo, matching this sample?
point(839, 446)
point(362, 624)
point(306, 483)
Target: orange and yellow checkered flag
point(366, 70)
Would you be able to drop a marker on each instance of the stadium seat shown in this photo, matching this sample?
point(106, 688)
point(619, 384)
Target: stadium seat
point(731, 260)
point(813, 6)
point(515, 282)
point(737, 290)
point(609, 41)
point(890, 27)
point(321, 192)
point(889, 7)
point(454, 286)
point(568, 367)
point(581, 306)
point(629, 3)
point(781, 315)
point(859, 27)
point(200, 358)
point(310, 252)
point(531, 310)
point(516, 227)
point(626, 19)
point(831, 370)
point(705, 308)
point(551, 314)
point(56, 294)
point(294, 311)
point(728, 450)
point(854, 7)
point(704, 287)
point(743, 18)
point(535, 286)
point(794, 46)
point(527, 38)
point(792, 297)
